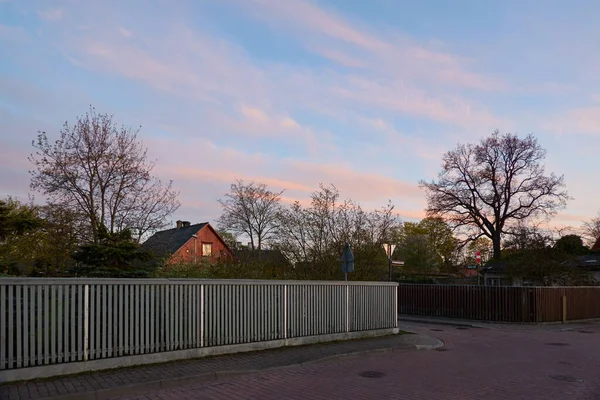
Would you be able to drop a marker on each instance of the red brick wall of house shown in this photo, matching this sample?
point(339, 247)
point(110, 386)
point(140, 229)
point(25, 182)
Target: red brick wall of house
point(205, 235)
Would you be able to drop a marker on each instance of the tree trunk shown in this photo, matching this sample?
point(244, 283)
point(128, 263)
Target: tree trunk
point(496, 244)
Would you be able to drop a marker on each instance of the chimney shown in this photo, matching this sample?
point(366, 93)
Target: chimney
point(186, 224)
point(179, 223)
point(238, 245)
point(250, 245)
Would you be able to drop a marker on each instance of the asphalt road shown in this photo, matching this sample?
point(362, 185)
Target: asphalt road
point(494, 362)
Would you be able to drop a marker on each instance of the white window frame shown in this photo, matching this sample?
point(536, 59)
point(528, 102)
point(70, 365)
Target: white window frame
point(209, 247)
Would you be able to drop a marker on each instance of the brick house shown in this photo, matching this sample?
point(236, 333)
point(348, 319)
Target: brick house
point(188, 243)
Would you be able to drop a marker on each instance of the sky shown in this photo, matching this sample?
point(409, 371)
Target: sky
point(365, 95)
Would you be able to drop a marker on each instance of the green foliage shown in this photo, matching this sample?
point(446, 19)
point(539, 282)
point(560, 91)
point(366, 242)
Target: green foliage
point(571, 244)
point(114, 255)
point(483, 246)
point(549, 267)
point(18, 222)
point(16, 218)
point(427, 246)
point(228, 237)
point(220, 270)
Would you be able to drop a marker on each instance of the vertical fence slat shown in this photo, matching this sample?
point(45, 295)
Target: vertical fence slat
point(98, 310)
point(39, 316)
point(92, 317)
point(11, 316)
point(163, 320)
point(59, 307)
point(4, 315)
point(170, 316)
point(51, 353)
point(19, 325)
point(104, 327)
point(74, 322)
point(121, 300)
point(147, 319)
point(202, 323)
point(136, 327)
point(152, 297)
point(26, 315)
point(142, 326)
point(109, 321)
point(80, 324)
point(127, 320)
point(189, 322)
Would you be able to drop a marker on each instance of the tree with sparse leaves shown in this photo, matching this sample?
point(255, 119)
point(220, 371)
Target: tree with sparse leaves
point(251, 209)
point(591, 229)
point(100, 170)
point(486, 188)
point(312, 237)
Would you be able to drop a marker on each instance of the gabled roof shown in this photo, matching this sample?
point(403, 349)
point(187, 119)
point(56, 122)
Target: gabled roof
point(167, 242)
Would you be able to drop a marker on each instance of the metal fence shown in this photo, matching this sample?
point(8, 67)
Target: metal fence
point(52, 321)
point(501, 304)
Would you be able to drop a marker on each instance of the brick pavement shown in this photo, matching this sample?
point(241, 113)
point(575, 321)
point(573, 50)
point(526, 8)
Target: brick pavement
point(78, 385)
point(547, 363)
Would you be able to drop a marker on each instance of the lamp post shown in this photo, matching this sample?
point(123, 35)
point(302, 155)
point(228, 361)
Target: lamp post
point(195, 246)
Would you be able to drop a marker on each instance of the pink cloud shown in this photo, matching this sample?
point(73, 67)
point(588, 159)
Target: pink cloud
point(305, 15)
point(195, 66)
point(221, 166)
point(337, 38)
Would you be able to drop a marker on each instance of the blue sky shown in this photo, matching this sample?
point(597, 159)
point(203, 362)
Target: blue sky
point(366, 95)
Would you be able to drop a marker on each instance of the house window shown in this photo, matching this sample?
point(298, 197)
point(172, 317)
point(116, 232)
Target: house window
point(492, 282)
point(207, 249)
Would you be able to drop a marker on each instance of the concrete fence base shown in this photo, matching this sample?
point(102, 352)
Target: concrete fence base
point(48, 371)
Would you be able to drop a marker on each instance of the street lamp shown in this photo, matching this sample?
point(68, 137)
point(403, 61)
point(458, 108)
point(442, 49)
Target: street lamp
point(195, 246)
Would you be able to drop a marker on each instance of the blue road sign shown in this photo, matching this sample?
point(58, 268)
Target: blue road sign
point(347, 259)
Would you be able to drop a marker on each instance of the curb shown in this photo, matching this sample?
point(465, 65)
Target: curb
point(172, 383)
point(447, 323)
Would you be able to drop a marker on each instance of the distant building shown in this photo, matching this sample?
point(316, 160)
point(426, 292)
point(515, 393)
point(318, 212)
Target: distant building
point(188, 244)
point(497, 274)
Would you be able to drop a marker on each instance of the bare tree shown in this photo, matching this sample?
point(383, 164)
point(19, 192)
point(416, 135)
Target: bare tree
point(251, 209)
point(312, 237)
point(102, 171)
point(591, 230)
point(487, 186)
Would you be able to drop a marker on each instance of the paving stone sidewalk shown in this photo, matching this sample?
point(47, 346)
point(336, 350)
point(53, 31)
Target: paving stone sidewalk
point(105, 384)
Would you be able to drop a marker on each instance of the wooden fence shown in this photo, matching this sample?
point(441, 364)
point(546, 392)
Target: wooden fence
point(500, 304)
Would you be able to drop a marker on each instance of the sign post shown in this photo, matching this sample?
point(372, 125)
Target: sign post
point(347, 260)
point(478, 258)
point(389, 251)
